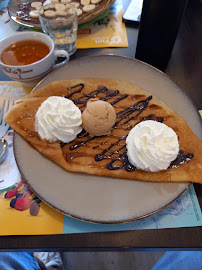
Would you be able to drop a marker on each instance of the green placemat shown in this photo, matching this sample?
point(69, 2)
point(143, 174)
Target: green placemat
point(97, 19)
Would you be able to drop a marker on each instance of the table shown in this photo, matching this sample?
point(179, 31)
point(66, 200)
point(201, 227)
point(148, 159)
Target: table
point(185, 69)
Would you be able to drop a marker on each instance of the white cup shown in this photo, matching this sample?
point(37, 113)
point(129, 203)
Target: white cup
point(31, 74)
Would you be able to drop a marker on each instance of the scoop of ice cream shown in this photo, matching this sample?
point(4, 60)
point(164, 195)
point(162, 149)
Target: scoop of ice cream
point(99, 117)
point(152, 146)
point(58, 118)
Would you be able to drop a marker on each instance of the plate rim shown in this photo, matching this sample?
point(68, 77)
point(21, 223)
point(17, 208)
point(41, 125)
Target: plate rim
point(111, 221)
point(89, 220)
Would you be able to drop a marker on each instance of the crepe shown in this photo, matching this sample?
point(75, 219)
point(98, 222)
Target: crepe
point(90, 155)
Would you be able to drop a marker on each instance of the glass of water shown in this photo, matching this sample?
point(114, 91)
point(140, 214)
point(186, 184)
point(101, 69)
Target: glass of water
point(59, 21)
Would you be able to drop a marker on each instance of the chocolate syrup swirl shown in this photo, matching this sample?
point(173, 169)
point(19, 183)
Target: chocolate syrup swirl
point(181, 159)
point(76, 91)
point(128, 114)
point(84, 99)
point(140, 106)
point(110, 165)
point(102, 155)
point(118, 99)
point(149, 117)
point(153, 117)
point(77, 145)
point(82, 134)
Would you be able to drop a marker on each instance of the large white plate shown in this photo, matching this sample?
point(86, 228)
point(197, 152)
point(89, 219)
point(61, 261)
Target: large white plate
point(102, 199)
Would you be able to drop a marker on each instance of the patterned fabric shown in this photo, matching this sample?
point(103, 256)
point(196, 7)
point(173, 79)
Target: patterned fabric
point(180, 260)
point(18, 260)
point(50, 259)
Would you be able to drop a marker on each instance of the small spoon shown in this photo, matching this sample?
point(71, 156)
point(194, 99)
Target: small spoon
point(3, 149)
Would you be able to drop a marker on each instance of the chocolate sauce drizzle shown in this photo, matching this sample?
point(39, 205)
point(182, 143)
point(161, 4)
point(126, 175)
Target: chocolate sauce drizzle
point(140, 106)
point(102, 155)
point(126, 164)
point(84, 99)
point(153, 117)
point(76, 91)
point(126, 113)
point(181, 159)
point(77, 145)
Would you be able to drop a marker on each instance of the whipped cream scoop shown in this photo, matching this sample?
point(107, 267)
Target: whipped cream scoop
point(58, 118)
point(151, 146)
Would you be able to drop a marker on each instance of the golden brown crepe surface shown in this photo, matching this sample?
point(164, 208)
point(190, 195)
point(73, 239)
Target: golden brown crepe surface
point(82, 159)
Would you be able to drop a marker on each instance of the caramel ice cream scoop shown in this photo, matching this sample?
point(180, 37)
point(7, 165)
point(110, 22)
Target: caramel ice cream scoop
point(99, 117)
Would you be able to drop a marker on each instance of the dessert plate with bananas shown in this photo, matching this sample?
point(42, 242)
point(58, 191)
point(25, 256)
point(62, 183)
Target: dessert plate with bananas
point(109, 194)
point(26, 12)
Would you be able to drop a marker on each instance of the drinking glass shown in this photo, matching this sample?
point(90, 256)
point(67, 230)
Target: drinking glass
point(60, 22)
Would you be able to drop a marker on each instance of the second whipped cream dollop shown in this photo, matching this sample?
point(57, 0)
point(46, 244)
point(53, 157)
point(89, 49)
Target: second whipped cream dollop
point(58, 118)
point(152, 146)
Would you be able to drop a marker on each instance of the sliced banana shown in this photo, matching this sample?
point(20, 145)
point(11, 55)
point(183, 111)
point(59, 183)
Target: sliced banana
point(62, 13)
point(68, 5)
point(60, 6)
point(95, 2)
point(36, 4)
point(34, 14)
point(71, 11)
point(85, 2)
point(75, 4)
point(88, 8)
point(79, 12)
point(49, 6)
point(41, 12)
point(66, 1)
point(50, 13)
point(54, 1)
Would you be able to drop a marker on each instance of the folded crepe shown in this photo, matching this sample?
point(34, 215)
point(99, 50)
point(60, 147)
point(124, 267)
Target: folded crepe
point(107, 155)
